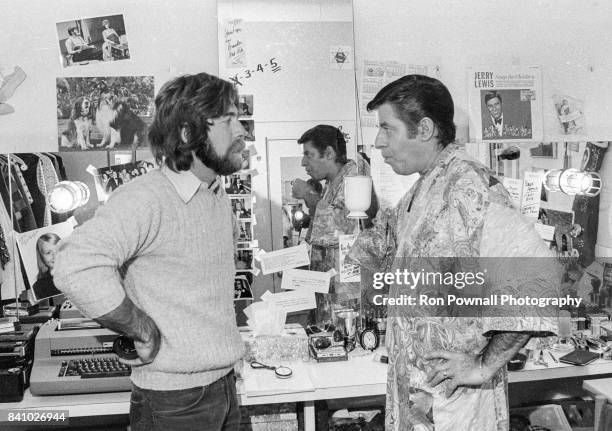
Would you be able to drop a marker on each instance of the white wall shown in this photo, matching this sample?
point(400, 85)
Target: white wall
point(568, 39)
point(165, 38)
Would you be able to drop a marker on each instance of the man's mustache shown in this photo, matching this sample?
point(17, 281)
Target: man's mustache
point(238, 144)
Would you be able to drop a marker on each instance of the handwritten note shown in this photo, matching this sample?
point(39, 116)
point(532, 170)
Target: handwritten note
point(286, 258)
point(532, 190)
point(291, 301)
point(515, 189)
point(235, 54)
point(261, 68)
point(300, 279)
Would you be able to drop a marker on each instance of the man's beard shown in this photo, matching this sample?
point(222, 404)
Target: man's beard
point(222, 165)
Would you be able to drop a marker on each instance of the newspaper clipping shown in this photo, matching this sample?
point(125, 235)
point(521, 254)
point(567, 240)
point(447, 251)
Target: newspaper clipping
point(505, 104)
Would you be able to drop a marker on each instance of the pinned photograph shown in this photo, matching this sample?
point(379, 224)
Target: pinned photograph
point(570, 114)
point(92, 40)
point(244, 259)
point(242, 285)
point(563, 222)
point(246, 160)
point(110, 178)
point(246, 233)
point(245, 105)
point(241, 208)
point(38, 249)
point(249, 128)
point(546, 150)
point(238, 184)
point(110, 112)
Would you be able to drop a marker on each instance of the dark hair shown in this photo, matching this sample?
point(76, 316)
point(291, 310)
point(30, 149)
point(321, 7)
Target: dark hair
point(492, 95)
point(187, 101)
point(414, 97)
point(323, 136)
point(71, 30)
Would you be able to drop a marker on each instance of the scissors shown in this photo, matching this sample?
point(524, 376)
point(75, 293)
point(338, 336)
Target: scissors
point(281, 372)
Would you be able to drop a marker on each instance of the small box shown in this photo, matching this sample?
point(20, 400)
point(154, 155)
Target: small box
point(13, 384)
point(291, 346)
point(271, 417)
point(325, 347)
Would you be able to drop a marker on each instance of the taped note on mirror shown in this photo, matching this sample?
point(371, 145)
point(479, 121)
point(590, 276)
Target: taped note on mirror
point(287, 258)
point(296, 300)
point(301, 279)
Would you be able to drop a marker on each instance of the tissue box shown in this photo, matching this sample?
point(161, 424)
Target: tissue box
point(291, 346)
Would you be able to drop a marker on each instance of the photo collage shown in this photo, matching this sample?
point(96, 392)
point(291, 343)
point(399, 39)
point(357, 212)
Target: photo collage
point(100, 112)
point(238, 187)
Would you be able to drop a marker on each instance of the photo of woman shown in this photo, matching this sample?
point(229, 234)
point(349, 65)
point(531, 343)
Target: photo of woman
point(46, 250)
point(38, 250)
point(84, 41)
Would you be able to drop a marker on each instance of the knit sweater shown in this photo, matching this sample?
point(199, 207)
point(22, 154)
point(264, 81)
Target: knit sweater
point(172, 235)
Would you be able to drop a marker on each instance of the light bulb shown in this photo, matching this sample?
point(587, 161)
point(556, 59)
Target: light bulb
point(573, 182)
point(298, 215)
point(67, 196)
point(551, 180)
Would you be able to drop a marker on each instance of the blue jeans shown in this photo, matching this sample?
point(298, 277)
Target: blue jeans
point(203, 408)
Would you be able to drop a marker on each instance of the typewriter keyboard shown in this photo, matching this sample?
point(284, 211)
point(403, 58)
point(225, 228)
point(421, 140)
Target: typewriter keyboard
point(94, 367)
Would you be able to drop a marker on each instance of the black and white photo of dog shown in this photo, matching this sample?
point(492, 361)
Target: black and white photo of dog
point(104, 115)
point(80, 125)
point(119, 110)
point(127, 129)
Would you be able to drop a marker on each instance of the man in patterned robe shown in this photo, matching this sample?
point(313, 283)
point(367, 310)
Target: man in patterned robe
point(447, 364)
point(324, 158)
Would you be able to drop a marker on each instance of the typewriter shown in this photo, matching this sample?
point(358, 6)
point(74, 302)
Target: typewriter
point(73, 356)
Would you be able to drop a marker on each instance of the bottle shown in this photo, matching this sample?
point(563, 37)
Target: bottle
point(381, 326)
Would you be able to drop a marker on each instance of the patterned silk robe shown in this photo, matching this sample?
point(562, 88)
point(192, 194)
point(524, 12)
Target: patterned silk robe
point(456, 211)
point(329, 222)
